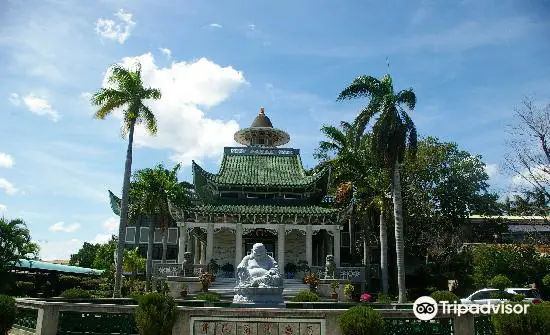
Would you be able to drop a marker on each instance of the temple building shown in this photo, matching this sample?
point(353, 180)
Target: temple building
point(261, 193)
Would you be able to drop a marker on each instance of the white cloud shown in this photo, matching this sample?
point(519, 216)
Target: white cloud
point(111, 224)
point(538, 172)
point(101, 239)
point(7, 187)
point(3, 208)
point(51, 250)
point(492, 170)
point(252, 27)
point(6, 161)
point(166, 51)
point(14, 99)
point(182, 126)
point(40, 106)
point(62, 227)
point(117, 31)
point(215, 25)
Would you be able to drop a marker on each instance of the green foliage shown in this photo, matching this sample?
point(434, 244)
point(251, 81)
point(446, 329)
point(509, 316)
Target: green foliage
point(25, 288)
point(206, 279)
point(7, 313)
point(85, 256)
point(156, 314)
point(15, 244)
point(305, 296)
point(334, 285)
point(213, 266)
point(132, 287)
point(302, 266)
point(349, 289)
point(76, 293)
point(65, 282)
point(132, 261)
point(519, 262)
point(383, 298)
point(91, 284)
point(444, 296)
point(500, 281)
point(361, 320)
point(517, 297)
point(546, 280)
point(208, 296)
point(535, 322)
point(104, 258)
point(228, 267)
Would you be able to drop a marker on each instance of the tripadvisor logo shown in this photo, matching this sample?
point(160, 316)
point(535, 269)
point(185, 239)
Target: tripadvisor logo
point(426, 308)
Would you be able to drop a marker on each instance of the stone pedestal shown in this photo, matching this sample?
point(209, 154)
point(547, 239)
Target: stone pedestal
point(258, 295)
point(176, 284)
point(324, 289)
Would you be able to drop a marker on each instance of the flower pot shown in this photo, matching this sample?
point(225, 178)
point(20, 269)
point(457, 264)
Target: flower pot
point(334, 295)
point(183, 293)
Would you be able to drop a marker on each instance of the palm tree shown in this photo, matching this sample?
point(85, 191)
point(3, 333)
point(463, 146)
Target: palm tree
point(126, 91)
point(151, 190)
point(392, 133)
point(15, 244)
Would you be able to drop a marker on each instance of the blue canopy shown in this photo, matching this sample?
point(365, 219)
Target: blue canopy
point(45, 266)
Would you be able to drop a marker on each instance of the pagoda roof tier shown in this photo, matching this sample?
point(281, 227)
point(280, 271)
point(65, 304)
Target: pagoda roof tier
point(259, 213)
point(275, 168)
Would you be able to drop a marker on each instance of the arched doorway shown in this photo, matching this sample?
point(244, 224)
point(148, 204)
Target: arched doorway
point(260, 235)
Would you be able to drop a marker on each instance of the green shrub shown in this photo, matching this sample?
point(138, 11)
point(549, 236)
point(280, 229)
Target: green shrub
point(305, 296)
point(25, 288)
point(7, 313)
point(349, 290)
point(500, 281)
point(517, 297)
point(444, 296)
point(361, 320)
point(208, 296)
point(383, 298)
point(91, 284)
point(76, 293)
point(535, 322)
point(546, 280)
point(66, 282)
point(156, 314)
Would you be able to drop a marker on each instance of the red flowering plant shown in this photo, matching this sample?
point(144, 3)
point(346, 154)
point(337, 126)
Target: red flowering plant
point(365, 297)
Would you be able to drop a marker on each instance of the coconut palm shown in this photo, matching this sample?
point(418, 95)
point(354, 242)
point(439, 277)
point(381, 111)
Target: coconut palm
point(126, 90)
point(15, 244)
point(392, 134)
point(354, 166)
point(151, 190)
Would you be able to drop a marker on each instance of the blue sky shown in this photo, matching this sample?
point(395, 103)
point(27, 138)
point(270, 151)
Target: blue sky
point(470, 63)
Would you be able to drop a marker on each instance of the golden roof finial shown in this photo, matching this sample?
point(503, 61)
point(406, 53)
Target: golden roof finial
point(262, 111)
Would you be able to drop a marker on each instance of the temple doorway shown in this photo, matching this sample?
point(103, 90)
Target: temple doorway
point(260, 235)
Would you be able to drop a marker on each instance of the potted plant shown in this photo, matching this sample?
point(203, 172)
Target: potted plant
point(155, 314)
point(303, 267)
point(290, 270)
point(184, 291)
point(348, 291)
point(213, 267)
point(334, 285)
point(228, 269)
point(312, 280)
point(365, 297)
point(206, 279)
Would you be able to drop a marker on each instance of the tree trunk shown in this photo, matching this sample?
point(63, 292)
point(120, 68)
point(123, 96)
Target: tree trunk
point(164, 245)
point(149, 266)
point(123, 214)
point(399, 240)
point(383, 253)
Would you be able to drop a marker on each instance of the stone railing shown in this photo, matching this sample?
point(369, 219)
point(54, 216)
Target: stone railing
point(353, 274)
point(66, 318)
point(163, 270)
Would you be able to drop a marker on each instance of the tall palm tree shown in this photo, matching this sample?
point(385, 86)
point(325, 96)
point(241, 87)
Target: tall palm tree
point(151, 190)
point(126, 90)
point(392, 133)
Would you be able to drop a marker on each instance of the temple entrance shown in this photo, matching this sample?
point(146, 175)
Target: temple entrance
point(260, 235)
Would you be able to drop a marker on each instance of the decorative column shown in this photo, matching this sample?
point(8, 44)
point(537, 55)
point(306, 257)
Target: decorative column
point(281, 249)
point(182, 242)
point(203, 253)
point(336, 245)
point(209, 242)
point(309, 245)
point(196, 250)
point(238, 244)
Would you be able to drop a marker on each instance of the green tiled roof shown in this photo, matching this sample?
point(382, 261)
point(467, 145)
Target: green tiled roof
point(261, 170)
point(264, 209)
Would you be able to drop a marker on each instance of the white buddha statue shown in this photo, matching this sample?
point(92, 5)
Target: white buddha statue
point(258, 269)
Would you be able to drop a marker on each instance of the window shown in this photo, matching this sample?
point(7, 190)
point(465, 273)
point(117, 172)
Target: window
point(130, 235)
point(144, 235)
point(345, 239)
point(172, 235)
point(290, 196)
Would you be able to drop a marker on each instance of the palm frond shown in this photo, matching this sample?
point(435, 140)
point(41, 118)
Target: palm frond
point(152, 93)
point(150, 119)
point(363, 86)
point(406, 97)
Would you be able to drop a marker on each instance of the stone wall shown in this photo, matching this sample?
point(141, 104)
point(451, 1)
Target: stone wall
point(224, 247)
point(295, 247)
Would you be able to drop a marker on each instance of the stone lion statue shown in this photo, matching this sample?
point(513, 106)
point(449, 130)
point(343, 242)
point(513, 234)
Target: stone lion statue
point(330, 267)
